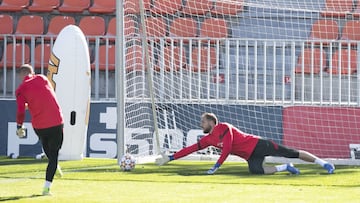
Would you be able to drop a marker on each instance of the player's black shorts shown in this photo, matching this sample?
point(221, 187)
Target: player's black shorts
point(268, 148)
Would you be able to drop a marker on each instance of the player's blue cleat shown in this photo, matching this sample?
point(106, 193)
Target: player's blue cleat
point(329, 167)
point(290, 167)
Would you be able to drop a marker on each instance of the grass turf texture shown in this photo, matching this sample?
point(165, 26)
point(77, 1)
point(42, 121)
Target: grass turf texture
point(100, 180)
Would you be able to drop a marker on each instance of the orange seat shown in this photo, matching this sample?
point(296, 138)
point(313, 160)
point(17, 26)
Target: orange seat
point(92, 26)
point(103, 6)
point(183, 27)
point(313, 61)
point(44, 5)
point(29, 25)
point(42, 55)
point(337, 8)
point(15, 54)
point(129, 28)
point(214, 28)
point(6, 24)
point(74, 6)
point(174, 59)
point(11, 5)
point(197, 7)
point(343, 61)
point(324, 30)
point(133, 6)
point(134, 59)
point(166, 6)
point(155, 27)
point(57, 23)
point(207, 60)
point(106, 58)
point(227, 7)
point(351, 31)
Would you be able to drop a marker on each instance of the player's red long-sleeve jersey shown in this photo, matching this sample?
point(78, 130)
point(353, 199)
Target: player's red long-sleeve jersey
point(37, 93)
point(226, 137)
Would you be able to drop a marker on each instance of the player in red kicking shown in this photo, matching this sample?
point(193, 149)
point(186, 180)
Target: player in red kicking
point(252, 148)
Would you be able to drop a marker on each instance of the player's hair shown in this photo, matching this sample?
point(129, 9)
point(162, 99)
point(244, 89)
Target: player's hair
point(211, 117)
point(26, 68)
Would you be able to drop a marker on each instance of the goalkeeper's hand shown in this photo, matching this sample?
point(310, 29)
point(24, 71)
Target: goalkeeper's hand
point(21, 131)
point(213, 169)
point(163, 159)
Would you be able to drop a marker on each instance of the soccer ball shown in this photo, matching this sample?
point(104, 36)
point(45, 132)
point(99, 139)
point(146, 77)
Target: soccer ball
point(127, 162)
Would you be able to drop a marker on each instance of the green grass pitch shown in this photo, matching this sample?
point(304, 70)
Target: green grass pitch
point(100, 180)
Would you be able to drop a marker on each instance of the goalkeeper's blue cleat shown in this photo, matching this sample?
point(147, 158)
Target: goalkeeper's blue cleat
point(290, 167)
point(330, 168)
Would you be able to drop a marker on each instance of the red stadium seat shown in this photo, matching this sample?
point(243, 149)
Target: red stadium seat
point(129, 30)
point(133, 6)
point(103, 6)
point(134, 59)
point(183, 27)
point(343, 61)
point(44, 5)
point(42, 55)
point(29, 25)
point(106, 58)
point(155, 27)
point(324, 30)
point(313, 61)
point(207, 59)
point(11, 5)
point(74, 6)
point(6, 24)
point(166, 7)
point(92, 26)
point(57, 23)
point(227, 7)
point(16, 54)
point(351, 31)
point(337, 8)
point(214, 28)
point(174, 58)
point(197, 7)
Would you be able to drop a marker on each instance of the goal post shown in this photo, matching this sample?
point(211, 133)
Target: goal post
point(284, 70)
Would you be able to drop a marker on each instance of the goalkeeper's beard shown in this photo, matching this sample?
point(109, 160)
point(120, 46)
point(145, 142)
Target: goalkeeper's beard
point(207, 130)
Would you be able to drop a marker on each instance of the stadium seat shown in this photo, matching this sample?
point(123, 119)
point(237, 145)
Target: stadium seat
point(214, 28)
point(183, 27)
point(105, 51)
point(227, 7)
point(166, 7)
point(42, 55)
point(44, 5)
point(343, 60)
point(337, 8)
point(133, 7)
point(87, 23)
point(207, 54)
point(351, 32)
point(56, 24)
point(74, 6)
point(15, 54)
point(129, 30)
point(174, 60)
point(324, 30)
point(103, 6)
point(6, 24)
point(197, 7)
point(155, 27)
point(313, 60)
point(13, 6)
point(134, 60)
point(29, 25)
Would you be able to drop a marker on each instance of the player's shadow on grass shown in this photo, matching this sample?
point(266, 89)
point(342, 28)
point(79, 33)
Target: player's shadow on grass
point(14, 198)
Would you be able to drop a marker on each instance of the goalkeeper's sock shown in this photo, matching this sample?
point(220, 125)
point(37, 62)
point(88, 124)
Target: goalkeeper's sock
point(171, 157)
point(320, 162)
point(47, 184)
point(281, 167)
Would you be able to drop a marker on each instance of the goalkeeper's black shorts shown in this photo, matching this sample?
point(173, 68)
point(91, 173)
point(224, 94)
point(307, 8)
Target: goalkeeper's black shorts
point(268, 148)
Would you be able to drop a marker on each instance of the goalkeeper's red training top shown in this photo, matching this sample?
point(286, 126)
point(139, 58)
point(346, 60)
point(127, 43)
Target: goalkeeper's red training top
point(37, 92)
point(226, 137)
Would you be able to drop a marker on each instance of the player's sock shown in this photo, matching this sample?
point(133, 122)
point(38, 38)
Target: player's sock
point(47, 184)
point(281, 167)
point(320, 162)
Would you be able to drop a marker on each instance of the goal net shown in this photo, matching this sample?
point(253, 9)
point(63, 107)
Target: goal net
point(282, 69)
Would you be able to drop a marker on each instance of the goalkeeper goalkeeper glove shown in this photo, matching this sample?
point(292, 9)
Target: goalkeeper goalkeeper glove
point(21, 131)
point(213, 169)
point(163, 159)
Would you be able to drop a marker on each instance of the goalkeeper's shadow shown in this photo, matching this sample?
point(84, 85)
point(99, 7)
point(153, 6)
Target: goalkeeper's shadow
point(13, 198)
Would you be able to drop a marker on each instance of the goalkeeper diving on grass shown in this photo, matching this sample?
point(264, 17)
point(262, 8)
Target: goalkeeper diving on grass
point(250, 147)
